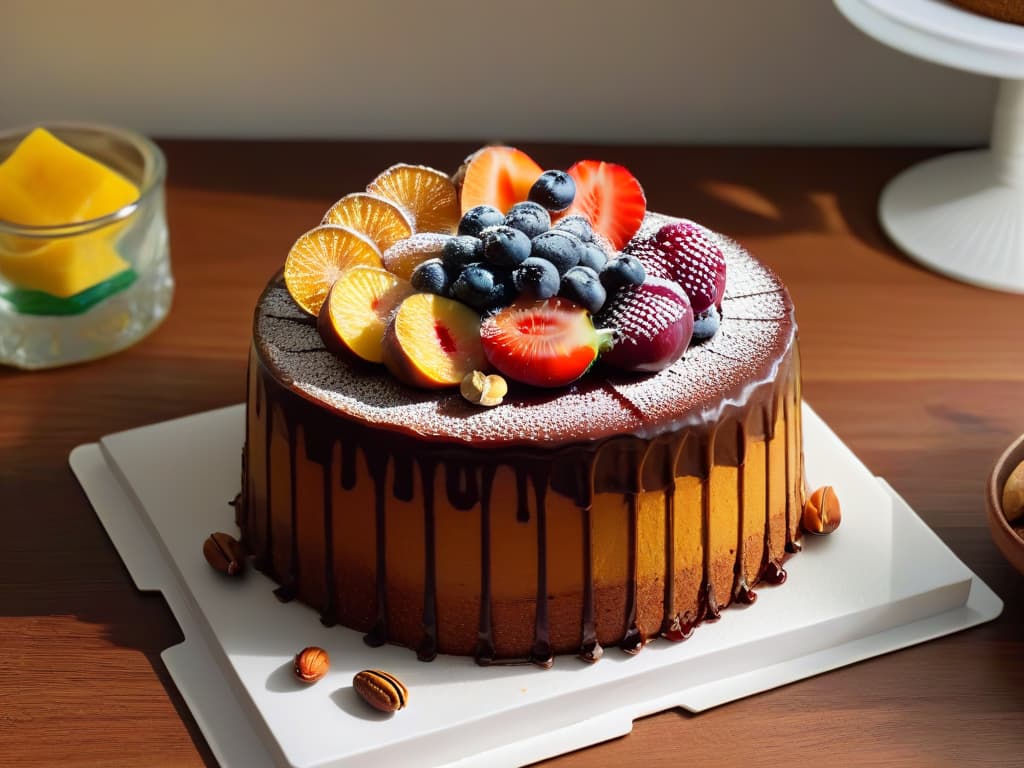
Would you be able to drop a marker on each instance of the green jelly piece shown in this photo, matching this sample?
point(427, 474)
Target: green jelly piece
point(29, 302)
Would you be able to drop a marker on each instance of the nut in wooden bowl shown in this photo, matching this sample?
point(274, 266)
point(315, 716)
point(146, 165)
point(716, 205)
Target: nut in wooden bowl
point(1005, 492)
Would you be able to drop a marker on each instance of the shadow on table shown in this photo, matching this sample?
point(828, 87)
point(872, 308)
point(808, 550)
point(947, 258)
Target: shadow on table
point(56, 560)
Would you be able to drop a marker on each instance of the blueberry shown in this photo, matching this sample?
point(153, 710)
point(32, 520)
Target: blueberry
point(621, 271)
point(504, 246)
point(474, 285)
point(578, 225)
point(705, 325)
point(459, 251)
point(529, 218)
point(536, 278)
point(583, 286)
point(555, 190)
point(430, 276)
point(477, 219)
point(560, 248)
point(502, 295)
point(593, 256)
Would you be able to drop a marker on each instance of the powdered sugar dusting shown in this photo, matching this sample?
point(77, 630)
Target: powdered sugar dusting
point(757, 306)
point(755, 331)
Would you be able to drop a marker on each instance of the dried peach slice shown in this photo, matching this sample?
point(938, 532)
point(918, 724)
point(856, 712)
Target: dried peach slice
point(319, 257)
point(377, 218)
point(426, 195)
point(356, 311)
point(433, 342)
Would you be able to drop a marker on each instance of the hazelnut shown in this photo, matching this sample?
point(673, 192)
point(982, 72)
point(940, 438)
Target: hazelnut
point(821, 512)
point(224, 553)
point(1013, 494)
point(484, 389)
point(381, 690)
point(311, 664)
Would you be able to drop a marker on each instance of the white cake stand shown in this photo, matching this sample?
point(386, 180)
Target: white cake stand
point(960, 214)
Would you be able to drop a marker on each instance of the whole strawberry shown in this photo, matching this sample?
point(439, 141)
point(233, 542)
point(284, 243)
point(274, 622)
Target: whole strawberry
point(683, 253)
point(653, 325)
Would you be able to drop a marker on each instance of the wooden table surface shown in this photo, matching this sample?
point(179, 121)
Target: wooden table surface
point(922, 377)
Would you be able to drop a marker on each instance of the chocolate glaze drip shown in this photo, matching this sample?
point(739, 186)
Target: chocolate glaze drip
point(771, 572)
point(745, 595)
point(329, 614)
point(649, 461)
point(707, 609)
point(428, 646)
point(376, 458)
point(792, 510)
point(292, 575)
point(633, 640)
point(590, 648)
point(264, 557)
point(541, 653)
point(710, 610)
point(670, 620)
point(484, 652)
point(740, 589)
point(681, 628)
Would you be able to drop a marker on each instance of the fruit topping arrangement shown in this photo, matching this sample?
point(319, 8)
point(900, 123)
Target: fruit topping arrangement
point(505, 270)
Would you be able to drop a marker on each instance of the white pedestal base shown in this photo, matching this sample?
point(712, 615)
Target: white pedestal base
point(961, 215)
point(953, 215)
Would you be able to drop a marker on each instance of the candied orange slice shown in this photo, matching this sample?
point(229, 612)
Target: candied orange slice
point(426, 195)
point(319, 257)
point(379, 219)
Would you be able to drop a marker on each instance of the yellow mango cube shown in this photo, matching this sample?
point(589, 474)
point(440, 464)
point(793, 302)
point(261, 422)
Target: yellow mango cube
point(46, 182)
point(63, 267)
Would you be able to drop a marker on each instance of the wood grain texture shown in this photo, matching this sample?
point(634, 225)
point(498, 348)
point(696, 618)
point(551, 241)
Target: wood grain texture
point(921, 376)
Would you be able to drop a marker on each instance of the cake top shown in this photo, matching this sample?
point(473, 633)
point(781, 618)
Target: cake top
point(756, 331)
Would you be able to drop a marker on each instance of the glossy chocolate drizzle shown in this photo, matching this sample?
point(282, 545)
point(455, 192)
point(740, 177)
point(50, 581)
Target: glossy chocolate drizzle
point(625, 465)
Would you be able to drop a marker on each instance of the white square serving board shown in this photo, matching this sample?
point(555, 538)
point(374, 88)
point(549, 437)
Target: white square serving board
point(882, 582)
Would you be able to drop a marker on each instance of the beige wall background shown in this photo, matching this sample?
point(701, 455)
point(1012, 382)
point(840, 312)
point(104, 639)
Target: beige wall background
point(665, 71)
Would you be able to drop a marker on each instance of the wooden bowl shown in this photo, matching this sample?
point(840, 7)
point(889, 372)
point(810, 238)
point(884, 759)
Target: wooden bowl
point(1009, 542)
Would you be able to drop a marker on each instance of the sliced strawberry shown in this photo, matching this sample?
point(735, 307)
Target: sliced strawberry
point(683, 252)
point(611, 197)
point(498, 176)
point(548, 343)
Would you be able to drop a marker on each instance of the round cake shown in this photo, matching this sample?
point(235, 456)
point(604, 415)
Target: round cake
point(622, 507)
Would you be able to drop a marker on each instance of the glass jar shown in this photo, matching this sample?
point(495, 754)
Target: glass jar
point(126, 249)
